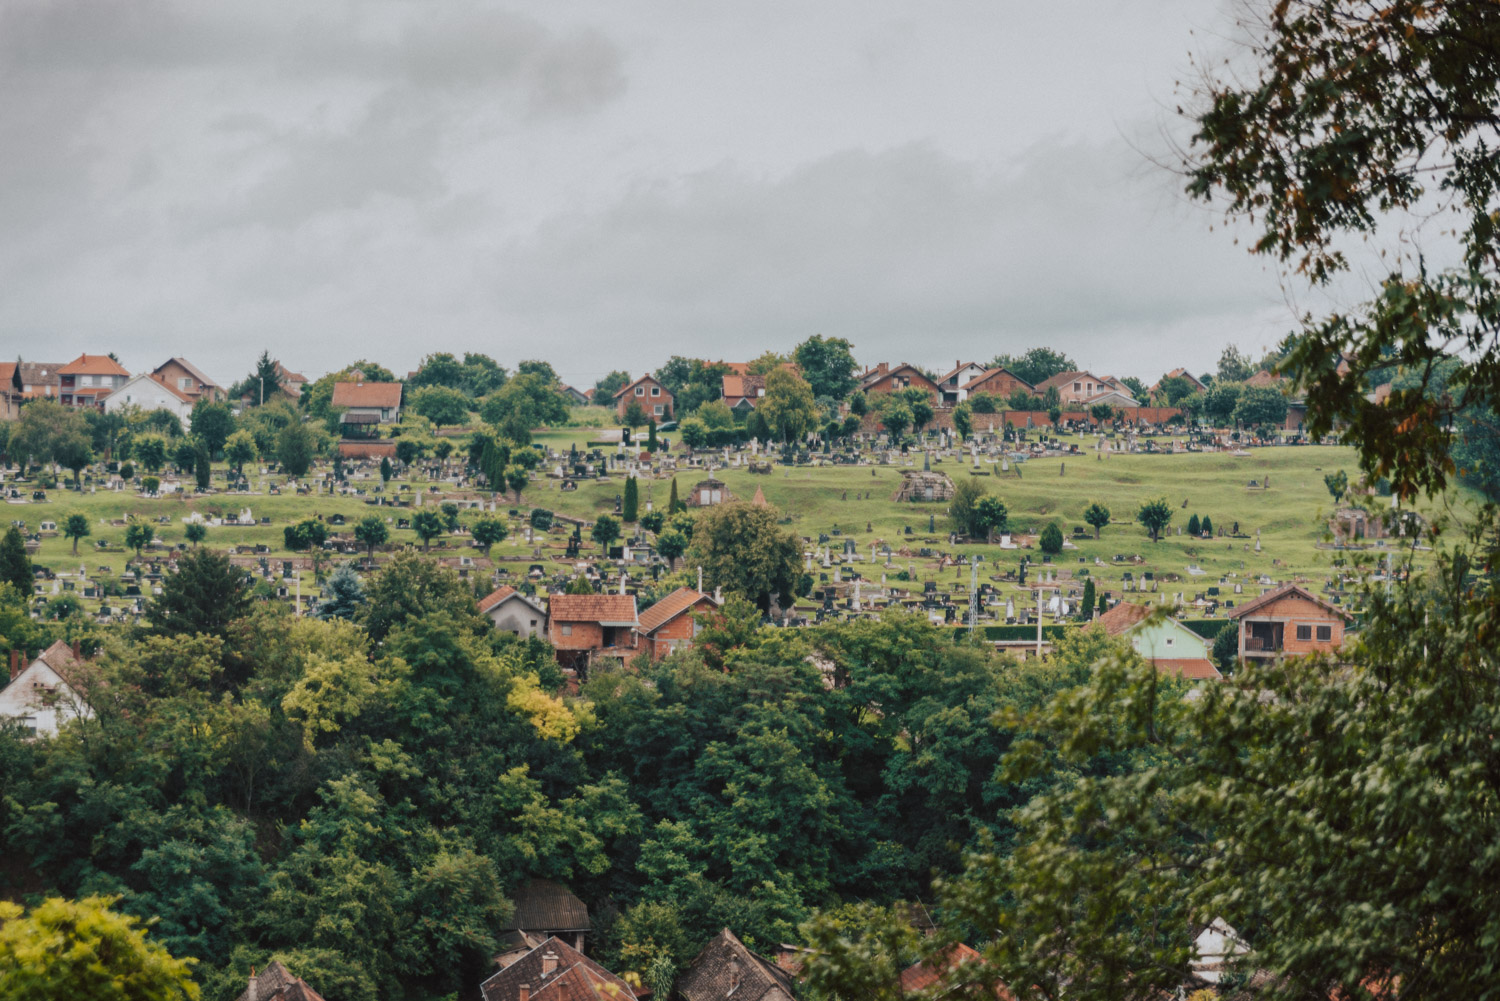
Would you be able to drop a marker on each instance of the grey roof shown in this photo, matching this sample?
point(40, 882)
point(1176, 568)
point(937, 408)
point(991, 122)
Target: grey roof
point(726, 966)
point(545, 906)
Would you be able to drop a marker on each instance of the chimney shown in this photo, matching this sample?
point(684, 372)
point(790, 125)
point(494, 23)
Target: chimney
point(883, 368)
point(700, 580)
point(78, 649)
point(719, 595)
point(525, 993)
point(549, 963)
point(252, 993)
point(622, 583)
point(15, 663)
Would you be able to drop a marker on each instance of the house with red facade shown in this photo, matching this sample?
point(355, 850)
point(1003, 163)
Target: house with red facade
point(885, 379)
point(650, 394)
point(1077, 387)
point(1288, 622)
point(585, 627)
point(997, 382)
point(669, 624)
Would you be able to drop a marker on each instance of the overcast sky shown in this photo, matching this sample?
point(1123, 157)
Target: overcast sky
point(605, 184)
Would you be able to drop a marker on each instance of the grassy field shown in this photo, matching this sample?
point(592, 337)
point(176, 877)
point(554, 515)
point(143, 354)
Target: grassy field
point(1290, 516)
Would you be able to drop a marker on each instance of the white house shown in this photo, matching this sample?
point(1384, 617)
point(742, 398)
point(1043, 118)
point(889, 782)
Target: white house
point(515, 613)
point(39, 695)
point(149, 394)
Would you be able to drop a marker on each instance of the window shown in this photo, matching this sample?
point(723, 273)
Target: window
point(640, 391)
point(655, 390)
point(567, 630)
point(87, 380)
point(185, 382)
point(1304, 632)
point(660, 409)
point(1170, 641)
point(1325, 633)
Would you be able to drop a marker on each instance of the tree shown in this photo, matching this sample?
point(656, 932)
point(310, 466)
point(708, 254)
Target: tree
point(671, 544)
point(651, 443)
point(75, 527)
point(202, 465)
point(1176, 389)
point(1051, 540)
point(489, 531)
point(963, 420)
point(295, 448)
point(1054, 413)
point(239, 448)
point(606, 388)
point(438, 370)
point(742, 549)
point(1193, 527)
point(1155, 516)
point(579, 585)
point(630, 507)
point(673, 504)
point(788, 407)
point(428, 524)
point(150, 450)
point(371, 531)
point(1208, 527)
point(441, 405)
point(138, 535)
point(1337, 484)
point(66, 949)
point(652, 521)
point(527, 400)
point(73, 451)
point(1234, 365)
point(127, 472)
point(1260, 405)
point(1097, 515)
point(1035, 366)
point(1086, 606)
point(205, 595)
point(1137, 388)
point(213, 423)
point(859, 404)
point(410, 589)
point(15, 567)
point(827, 363)
point(921, 413)
point(634, 416)
point(195, 532)
point(541, 519)
point(896, 417)
point(265, 381)
point(385, 469)
point(967, 492)
point(605, 531)
point(1100, 413)
point(517, 478)
point(306, 534)
point(1220, 400)
point(342, 595)
point(693, 432)
point(990, 516)
point(150, 484)
point(1022, 399)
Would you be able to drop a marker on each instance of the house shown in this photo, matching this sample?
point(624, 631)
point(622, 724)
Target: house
point(669, 624)
point(726, 968)
point(367, 403)
point(39, 379)
point(884, 379)
point(1181, 373)
point(514, 613)
point(146, 393)
point(1075, 387)
point(276, 983)
point(650, 394)
point(291, 382)
point(581, 627)
point(88, 379)
point(573, 397)
point(1216, 948)
point(187, 379)
point(545, 909)
point(707, 493)
point(1265, 379)
point(741, 393)
point(1288, 622)
point(1110, 398)
point(1170, 646)
point(12, 390)
point(555, 971)
point(997, 382)
point(953, 386)
point(45, 693)
point(920, 977)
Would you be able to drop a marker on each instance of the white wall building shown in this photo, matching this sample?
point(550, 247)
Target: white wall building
point(148, 394)
point(39, 694)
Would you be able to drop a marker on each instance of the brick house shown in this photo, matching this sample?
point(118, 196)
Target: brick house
point(39, 379)
point(582, 627)
point(741, 393)
point(669, 624)
point(1288, 622)
point(188, 380)
point(88, 379)
point(367, 403)
point(1076, 387)
point(885, 379)
point(650, 394)
point(997, 382)
point(1181, 373)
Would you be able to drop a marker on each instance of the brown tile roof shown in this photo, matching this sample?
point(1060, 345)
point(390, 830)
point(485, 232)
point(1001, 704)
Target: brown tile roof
point(191, 369)
point(726, 965)
point(1061, 379)
point(1191, 668)
point(496, 596)
point(184, 397)
point(610, 609)
point(990, 373)
point(1263, 378)
point(276, 983)
point(920, 976)
point(40, 373)
point(1124, 615)
point(1287, 591)
point(87, 364)
point(288, 375)
point(597, 983)
point(381, 395)
point(954, 374)
point(544, 906)
point(670, 607)
point(644, 378)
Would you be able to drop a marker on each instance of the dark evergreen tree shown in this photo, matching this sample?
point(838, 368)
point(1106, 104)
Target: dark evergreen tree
point(15, 568)
point(204, 596)
point(342, 595)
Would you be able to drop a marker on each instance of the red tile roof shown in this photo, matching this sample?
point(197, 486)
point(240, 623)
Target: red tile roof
point(606, 609)
point(670, 607)
point(922, 975)
point(191, 370)
point(381, 395)
point(1191, 668)
point(644, 378)
point(1287, 591)
point(185, 398)
point(495, 597)
point(1124, 615)
point(87, 364)
point(990, 373)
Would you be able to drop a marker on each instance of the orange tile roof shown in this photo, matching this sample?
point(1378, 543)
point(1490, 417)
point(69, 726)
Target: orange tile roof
point(920, 976)
point(495, 597)
point(1191, 668)
point(644, 378)
point(164, 384)
point(382, 395)
point(1287, 591)
point(1124, 615)
point(87, 364)
point(617, 609)
point(670, 607)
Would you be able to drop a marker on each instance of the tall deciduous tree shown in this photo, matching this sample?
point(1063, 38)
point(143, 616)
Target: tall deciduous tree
point(1155, 515)
point(788, 406)
point(827, 363)
point(1097, 515)
point(77, 527)
point(743, 549)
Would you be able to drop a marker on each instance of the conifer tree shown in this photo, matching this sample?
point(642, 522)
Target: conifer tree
point(15, 568)
point(629, 508)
